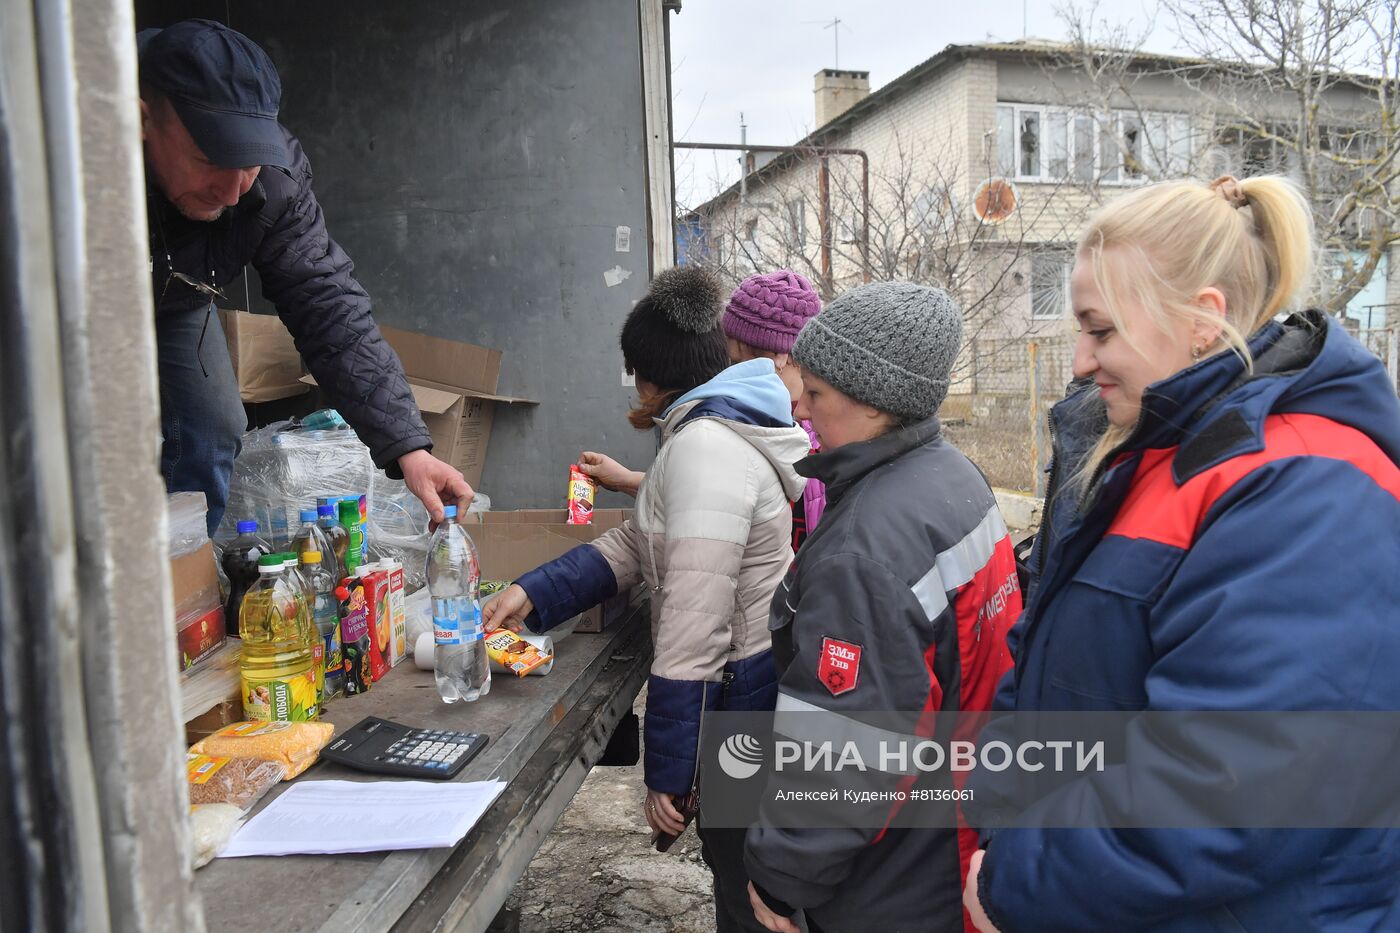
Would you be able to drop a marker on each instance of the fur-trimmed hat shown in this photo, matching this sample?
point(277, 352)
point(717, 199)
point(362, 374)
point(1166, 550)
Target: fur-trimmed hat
point(673, 338)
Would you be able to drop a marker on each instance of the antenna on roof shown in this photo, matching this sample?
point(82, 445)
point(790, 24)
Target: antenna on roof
point(835, 26)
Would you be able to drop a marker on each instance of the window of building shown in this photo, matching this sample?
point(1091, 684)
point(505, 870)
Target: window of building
point(1049, 286)
point(797, 222)
point(1006, 141)
point(1055, 144)
point(1083, 148)
point(935, 210)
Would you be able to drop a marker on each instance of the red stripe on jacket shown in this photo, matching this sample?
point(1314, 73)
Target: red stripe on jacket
point(1156, 509)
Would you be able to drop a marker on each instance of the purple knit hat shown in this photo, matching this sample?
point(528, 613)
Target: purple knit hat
point(768, 311)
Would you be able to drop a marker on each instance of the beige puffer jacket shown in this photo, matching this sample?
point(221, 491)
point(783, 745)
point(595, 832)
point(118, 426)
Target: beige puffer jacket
point(712, 538)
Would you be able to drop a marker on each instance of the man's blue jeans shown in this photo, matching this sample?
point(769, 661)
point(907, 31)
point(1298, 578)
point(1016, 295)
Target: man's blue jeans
point(201, 416)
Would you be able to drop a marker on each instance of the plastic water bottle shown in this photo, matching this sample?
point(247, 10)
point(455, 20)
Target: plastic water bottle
point(459, 658)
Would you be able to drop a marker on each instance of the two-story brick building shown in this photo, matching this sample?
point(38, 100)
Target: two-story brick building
point(1051, 141)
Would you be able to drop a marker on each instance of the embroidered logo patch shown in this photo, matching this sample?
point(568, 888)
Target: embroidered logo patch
point(839, 667)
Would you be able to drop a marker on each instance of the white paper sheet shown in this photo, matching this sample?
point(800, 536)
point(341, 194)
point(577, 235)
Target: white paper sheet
point(330, 817)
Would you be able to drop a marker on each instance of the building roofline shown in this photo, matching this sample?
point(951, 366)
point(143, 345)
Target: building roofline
point(1022, 49)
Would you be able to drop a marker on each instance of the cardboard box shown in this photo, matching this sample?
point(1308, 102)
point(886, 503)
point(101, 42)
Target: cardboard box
point(265, 359)
point(511, 543)
point(454, 385)
point(194, 582)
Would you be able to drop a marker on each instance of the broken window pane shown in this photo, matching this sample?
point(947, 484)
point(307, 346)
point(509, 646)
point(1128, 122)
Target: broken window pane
point(1030, 143)
point(1133, 166)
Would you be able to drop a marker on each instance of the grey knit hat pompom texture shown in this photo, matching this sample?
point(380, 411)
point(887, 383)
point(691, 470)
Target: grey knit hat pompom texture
point(890, 345)
point(690, 297)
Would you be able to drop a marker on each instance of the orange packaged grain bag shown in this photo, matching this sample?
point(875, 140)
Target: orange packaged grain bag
point(294, 745)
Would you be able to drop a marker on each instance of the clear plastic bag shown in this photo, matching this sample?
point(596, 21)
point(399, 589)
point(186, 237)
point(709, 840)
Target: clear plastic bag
point(398, 528)
point(188, 525)
point(240, 782)
point(212, 825)
point(284, 467)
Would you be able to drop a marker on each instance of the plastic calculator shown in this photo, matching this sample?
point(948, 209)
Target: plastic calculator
point(385, 747)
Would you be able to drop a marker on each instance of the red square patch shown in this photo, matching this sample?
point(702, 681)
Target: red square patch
point(839, 666)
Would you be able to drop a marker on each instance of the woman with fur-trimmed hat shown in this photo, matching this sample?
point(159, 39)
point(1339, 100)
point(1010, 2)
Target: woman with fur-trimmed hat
point(710, 536)
point(762, 320)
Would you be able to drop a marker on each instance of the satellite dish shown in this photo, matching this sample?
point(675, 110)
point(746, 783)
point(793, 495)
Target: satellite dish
point(996, 200)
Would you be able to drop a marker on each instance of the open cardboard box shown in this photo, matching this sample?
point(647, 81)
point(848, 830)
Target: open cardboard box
point(511, 543)
point(454, 385)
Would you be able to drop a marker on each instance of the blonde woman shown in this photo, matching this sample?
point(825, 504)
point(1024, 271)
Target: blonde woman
point(1226, 538)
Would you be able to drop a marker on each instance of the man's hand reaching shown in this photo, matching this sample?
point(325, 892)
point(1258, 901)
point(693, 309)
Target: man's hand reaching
point(435, 483)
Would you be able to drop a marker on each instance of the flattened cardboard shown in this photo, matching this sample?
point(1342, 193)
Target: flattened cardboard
point(511, 543)
point(265, 359)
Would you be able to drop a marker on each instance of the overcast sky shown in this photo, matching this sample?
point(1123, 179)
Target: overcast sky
point(758, 57)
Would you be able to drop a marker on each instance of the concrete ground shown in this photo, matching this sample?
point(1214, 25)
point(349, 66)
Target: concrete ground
point(597, 873)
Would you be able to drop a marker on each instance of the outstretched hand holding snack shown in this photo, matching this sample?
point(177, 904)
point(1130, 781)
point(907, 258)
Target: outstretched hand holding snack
point(508, 610)
point(609, 473)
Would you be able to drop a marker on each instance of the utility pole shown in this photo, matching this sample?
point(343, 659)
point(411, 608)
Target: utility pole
point(743, 160)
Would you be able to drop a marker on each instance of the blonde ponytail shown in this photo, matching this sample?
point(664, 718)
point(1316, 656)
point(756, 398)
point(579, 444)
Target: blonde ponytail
point(1285, 227)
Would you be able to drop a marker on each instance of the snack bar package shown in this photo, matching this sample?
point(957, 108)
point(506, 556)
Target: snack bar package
point(582, 489)
point(511, 653)
point(293, 745)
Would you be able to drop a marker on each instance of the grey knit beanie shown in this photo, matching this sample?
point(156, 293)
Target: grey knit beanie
point(890, 345)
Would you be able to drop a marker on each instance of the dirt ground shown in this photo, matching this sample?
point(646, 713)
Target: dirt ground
point(596, 872)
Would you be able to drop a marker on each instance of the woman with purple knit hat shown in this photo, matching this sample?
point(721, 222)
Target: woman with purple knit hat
point(764, 316)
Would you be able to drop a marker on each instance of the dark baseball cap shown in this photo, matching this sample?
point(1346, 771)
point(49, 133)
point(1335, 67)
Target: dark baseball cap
point(223, 86)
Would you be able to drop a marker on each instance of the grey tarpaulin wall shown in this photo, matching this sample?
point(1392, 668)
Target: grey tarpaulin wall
point(475, 159)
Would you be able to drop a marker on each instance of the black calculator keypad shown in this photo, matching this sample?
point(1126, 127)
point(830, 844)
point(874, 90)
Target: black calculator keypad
point(384, 747)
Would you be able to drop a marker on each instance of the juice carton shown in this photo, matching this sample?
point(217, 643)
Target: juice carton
point(398, 609)
point(355, 637)
point(381, 620)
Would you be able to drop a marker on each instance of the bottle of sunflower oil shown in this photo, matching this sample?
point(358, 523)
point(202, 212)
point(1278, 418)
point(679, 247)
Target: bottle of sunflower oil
point(279, 639)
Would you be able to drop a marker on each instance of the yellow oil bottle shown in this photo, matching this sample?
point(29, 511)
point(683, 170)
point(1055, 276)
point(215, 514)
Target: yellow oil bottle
point(279, 640)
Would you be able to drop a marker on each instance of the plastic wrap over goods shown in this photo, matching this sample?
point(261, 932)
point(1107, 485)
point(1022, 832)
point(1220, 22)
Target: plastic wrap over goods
point(188, 532)
point(284, 468)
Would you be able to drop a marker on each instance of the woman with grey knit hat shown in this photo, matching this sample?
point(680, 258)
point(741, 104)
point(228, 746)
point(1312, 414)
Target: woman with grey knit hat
point(899, 601)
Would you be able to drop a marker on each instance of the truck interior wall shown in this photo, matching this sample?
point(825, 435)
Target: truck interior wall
point(475, 159)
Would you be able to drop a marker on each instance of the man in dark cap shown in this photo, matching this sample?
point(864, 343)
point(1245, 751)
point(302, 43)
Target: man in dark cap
point(227, 185)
